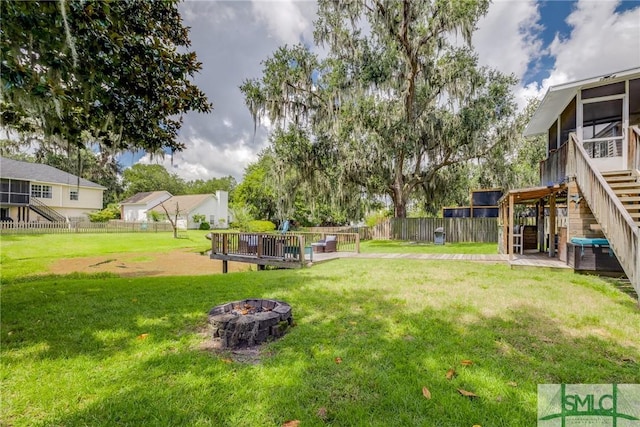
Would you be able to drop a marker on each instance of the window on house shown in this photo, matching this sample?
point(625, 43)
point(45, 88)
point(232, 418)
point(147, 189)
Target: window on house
point(73, 195)
point(41, 191)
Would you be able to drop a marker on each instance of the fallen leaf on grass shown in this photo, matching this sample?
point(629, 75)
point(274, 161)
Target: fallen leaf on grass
point(512, 384)
point(450, 374)
point(426, 393)
point(477, 425)
point(227, 360)
point(292, 423)
point(338, 360)
point(466, 393)
point(143, 336)
point(322, 413)
point(466, 362)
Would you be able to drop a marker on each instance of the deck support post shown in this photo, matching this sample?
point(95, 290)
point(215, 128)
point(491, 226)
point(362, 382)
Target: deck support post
point(552, 225)
point(225, 266)
point(540, 224)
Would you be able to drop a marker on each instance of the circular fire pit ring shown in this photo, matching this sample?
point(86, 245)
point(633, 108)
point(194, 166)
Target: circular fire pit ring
point(249, 322)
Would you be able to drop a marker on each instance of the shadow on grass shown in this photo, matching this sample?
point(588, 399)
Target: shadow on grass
point(356, 357)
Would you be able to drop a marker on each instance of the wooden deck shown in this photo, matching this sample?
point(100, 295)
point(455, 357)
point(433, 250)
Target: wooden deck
point(439, 257)
point(537, 260)
point(532, 260)
point(290, 251)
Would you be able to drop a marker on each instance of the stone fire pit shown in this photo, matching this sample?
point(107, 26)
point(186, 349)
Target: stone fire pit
point(249, 322)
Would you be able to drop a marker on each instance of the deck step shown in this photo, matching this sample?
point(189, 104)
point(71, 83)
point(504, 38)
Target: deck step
point(629, 199)
point(611, 179)
point(626, 191)
point(624, 185)
point(618, 172)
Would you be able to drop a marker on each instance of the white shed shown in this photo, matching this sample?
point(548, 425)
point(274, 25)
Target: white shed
point(214, 208)
point(135, 208)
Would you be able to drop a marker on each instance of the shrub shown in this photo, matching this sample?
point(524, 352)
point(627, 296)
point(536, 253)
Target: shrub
point(204, 226)
point(199, 218)
point(105, 215)
point(154, 216)
point(378, 217)
point(257, 226)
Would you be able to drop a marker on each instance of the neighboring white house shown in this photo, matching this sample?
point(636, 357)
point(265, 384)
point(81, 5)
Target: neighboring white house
point(214, 208)
point(31, 192)
point(135, 208)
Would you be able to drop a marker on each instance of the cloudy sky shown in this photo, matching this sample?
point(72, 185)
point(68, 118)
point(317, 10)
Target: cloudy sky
point(544, 43)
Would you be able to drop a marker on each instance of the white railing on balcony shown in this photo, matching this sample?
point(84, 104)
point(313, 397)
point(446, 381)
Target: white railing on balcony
point(617, 225)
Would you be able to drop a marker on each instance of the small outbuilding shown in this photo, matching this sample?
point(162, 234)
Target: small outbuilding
point(135, 208)
point(215, 209)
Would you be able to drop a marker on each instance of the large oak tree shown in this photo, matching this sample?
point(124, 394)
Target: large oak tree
point(399, 97)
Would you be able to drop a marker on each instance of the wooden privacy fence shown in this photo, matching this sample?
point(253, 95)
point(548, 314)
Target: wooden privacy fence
point(479, 230)
point(83, 227)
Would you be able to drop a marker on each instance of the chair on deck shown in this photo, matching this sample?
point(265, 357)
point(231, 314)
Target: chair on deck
point(248, 245)
point(329, 244)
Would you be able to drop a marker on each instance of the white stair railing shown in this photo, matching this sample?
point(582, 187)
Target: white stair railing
point(616, 223)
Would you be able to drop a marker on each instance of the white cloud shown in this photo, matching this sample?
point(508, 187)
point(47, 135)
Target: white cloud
point(284, 19)
point(204, 160)
point(600, 42)
point(506, 38)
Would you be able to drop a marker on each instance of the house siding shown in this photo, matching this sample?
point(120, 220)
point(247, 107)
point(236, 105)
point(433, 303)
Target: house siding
point(89, 200)
point(138, 211)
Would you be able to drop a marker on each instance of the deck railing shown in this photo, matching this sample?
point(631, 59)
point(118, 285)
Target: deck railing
point(616, 223)
point(286, 247)
point(553, 168)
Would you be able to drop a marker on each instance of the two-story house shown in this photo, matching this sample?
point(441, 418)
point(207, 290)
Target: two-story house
point(32, 192)
point(588, 201)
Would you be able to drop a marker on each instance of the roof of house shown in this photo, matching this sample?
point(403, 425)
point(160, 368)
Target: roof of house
point(26, 171)
point(144, 197)
point(185, 203)
point(559, 96)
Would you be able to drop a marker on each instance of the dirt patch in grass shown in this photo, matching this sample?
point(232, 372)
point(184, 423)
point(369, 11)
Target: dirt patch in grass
point(176, 263)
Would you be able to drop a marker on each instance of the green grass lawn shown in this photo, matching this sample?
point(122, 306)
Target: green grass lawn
point(397, 246)
point(369, 336)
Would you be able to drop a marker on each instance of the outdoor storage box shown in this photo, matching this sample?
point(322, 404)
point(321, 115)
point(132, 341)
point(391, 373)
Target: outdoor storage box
point(592, 255)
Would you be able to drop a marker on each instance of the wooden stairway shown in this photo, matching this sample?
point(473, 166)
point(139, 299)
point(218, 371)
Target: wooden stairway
point(626, 186)
point(614, 203)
